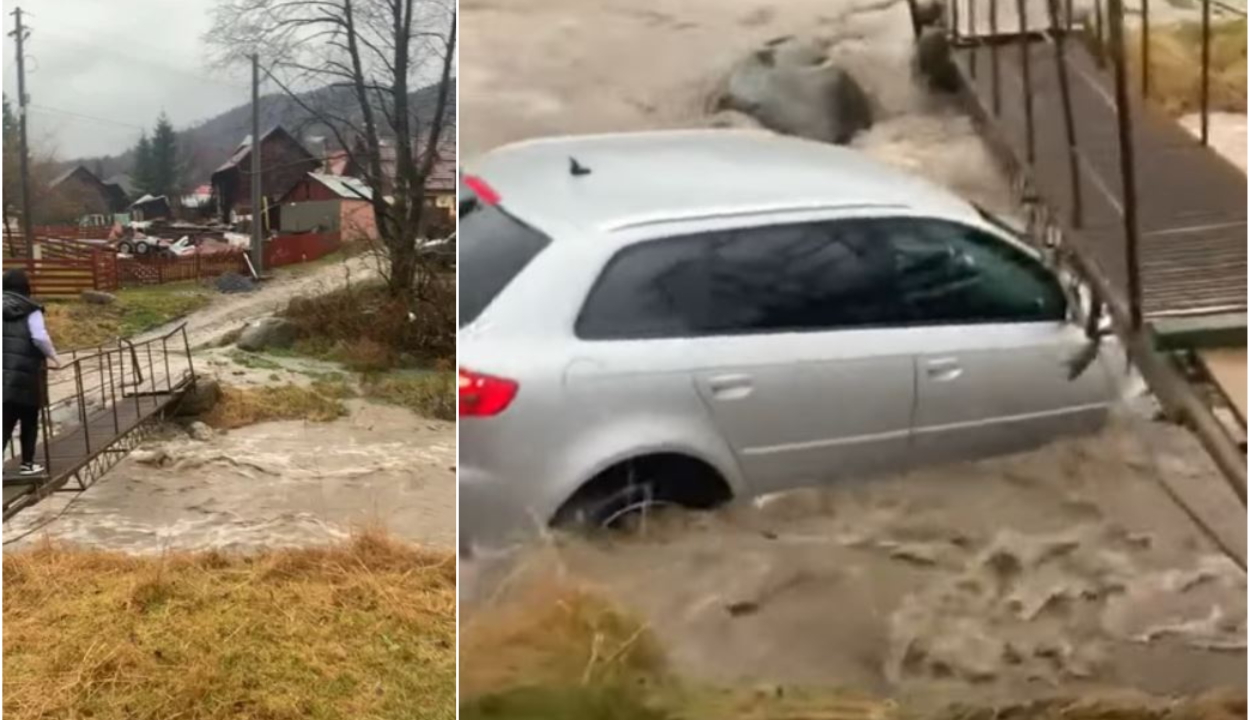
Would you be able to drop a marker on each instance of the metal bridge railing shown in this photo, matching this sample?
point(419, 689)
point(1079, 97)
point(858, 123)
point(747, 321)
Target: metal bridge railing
point(101, 393)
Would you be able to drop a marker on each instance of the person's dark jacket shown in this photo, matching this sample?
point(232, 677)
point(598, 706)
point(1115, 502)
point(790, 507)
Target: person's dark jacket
point(25, 367)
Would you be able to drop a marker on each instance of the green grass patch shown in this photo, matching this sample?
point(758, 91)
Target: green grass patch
point(148, 307)
point(75, 324)
point(430, 393)
point(255, 361)
point(362, 630)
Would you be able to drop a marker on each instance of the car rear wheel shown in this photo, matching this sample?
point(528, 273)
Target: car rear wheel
point(126, 248)
point(628, 495)
point(142, 248)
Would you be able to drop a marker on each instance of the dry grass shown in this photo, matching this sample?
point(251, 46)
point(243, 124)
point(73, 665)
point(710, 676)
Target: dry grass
point(554, 650)
point(1176, 66)
point(432, 394)
point(365, 630)
point(80, 325)
point(366, 330)
point(240, 406)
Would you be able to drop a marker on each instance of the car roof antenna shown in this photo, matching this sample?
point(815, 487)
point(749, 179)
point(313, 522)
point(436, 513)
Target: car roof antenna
point(576, 169)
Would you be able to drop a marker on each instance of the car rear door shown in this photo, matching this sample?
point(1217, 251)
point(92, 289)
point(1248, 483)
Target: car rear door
point(994, 375)
point(788, 341)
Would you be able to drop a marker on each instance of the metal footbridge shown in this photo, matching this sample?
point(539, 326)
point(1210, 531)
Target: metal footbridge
point(1151, 216)
point(101, 404)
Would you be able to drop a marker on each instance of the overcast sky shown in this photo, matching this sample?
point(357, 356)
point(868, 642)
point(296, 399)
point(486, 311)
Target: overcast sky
point(120, 62)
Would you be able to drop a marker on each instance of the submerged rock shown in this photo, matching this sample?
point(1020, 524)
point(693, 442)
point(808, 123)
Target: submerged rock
point(271, 332)
point(790, 87)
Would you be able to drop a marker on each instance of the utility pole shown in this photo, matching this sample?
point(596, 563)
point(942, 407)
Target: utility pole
point(20, 34)
point(258, 249)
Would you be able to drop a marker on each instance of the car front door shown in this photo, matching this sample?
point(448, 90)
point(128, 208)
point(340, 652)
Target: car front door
point(995, 374)
point(788, 339)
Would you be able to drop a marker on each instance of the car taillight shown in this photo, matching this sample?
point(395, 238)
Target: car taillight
point(485, 193)
point(484, 395)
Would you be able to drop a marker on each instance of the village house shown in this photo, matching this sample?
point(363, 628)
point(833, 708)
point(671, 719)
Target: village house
point(284, 163)
point(440, 186)
point(329, 203)
point(78, 192)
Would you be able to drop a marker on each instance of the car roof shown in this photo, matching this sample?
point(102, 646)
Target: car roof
point(662, 176)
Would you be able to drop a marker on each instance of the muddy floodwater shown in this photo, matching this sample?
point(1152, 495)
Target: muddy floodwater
point(1063, 570)
point(268, 485)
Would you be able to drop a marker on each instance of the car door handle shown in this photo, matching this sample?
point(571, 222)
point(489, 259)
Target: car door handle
point(729, 387)
point(944, 369)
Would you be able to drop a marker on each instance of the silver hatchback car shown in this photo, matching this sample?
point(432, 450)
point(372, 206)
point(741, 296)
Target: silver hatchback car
point(687, 317)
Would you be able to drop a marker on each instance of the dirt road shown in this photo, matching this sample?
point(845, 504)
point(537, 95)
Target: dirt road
point(230, 312)
point(1068, 569)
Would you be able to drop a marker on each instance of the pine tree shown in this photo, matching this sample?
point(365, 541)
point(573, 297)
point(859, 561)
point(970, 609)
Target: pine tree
point(166, 165)
point(143, 174)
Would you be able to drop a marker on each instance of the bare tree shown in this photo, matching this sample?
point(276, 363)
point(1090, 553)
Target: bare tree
point(353, 65)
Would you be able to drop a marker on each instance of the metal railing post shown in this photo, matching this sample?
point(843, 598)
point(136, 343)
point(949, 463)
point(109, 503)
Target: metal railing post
point(117, 428)
point(82, 405)
point(47, 438)
point(915, 28)
point(151, 370)
point(187, 343)
point(1069, 123)
point(1101, 56)
point(1145, 48)
point(996, 98)
point(1128, 169)
point(1206, 72)
point(972, 32)
point(1067, 15)
point(104, 398)
point(955, 19)
point(169, 378)
point(1026, 72)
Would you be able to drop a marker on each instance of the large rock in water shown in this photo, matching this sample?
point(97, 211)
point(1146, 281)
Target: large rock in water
point(200, 398)
point(269, 332)
point(789, 86)
point(932, 62)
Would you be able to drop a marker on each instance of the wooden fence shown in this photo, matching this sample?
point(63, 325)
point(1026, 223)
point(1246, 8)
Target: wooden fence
point(64, 268)
point(303, 247)
point(136, 271)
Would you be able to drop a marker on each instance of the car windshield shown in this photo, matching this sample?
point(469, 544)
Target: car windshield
point(494, 248)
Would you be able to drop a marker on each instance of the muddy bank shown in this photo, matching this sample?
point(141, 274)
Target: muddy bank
point(279, 484)
point(1063, 570)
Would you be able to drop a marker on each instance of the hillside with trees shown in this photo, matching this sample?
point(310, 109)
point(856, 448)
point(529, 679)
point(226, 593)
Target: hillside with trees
point(204, 147)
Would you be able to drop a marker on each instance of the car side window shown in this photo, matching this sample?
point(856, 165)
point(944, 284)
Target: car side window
point(788, 278)
point(952, 274)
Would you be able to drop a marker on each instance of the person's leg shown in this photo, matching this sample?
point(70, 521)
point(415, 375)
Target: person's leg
point(10, 422)
point(30, 432)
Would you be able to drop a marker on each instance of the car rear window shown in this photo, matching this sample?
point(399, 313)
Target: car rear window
point(494, 248)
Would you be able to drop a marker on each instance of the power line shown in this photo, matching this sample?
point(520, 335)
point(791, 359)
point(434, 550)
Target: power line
point(83, 116)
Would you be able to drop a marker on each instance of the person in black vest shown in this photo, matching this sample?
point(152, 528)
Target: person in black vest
point(27, 353)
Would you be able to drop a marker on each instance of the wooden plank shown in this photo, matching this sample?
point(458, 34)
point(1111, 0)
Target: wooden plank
point(1227, 369)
